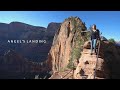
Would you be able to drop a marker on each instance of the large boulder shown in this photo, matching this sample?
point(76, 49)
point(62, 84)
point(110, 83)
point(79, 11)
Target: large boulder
point(87, 45)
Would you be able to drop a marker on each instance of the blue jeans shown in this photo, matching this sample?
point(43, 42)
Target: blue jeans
point(93, 45)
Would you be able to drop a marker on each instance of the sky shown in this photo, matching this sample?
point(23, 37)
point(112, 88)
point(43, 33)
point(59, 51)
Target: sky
point(108, 22)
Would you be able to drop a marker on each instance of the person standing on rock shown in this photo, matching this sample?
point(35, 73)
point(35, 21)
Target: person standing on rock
point(94, 37)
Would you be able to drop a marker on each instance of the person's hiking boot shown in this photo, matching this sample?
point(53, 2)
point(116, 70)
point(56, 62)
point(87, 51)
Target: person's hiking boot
point(90, 53)
point(95, 52)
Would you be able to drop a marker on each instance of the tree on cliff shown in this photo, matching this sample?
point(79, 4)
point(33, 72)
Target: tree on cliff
point(112, 40)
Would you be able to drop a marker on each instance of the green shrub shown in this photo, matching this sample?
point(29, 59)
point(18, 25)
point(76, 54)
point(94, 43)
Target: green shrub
point(112, 40)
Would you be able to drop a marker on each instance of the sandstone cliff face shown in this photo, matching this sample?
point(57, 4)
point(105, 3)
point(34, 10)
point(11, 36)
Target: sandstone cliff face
point(66, 44)
point(25, 60)
point(15, 66)
point(52, 28)
point(22, 31)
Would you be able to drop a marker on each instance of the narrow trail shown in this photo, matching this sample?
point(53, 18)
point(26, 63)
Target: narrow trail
point(87, 66)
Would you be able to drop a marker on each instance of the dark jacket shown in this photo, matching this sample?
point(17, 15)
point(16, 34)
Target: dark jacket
point(95, 35)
